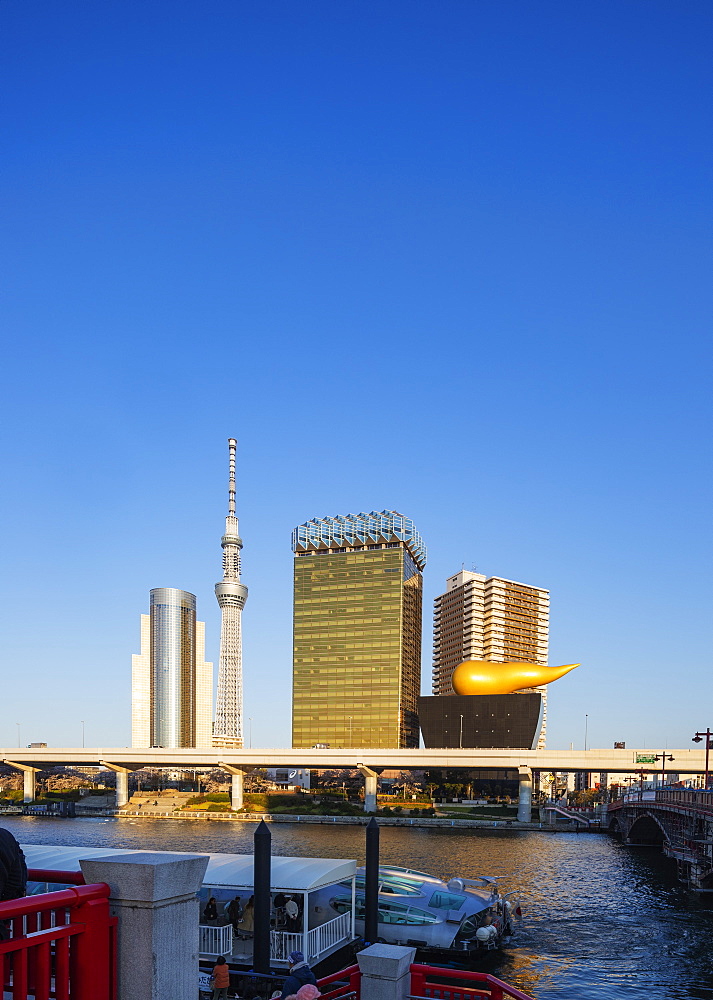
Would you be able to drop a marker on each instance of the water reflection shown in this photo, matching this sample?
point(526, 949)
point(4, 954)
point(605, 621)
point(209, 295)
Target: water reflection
point(600, 920)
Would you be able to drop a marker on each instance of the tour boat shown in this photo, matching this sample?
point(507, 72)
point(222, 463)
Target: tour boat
point(441, 919)
point(445, 921)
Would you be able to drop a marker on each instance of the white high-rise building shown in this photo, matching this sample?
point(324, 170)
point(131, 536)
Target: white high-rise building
point(489, 618)
point(171, 680)
point(231, 595)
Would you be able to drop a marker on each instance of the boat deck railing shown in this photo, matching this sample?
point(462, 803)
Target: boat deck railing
point(219, 939)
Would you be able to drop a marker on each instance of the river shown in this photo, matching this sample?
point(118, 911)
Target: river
point(601, 921)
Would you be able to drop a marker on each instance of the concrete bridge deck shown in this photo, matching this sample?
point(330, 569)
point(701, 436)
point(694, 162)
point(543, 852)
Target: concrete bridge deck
point(370, 762)
point(687, 761)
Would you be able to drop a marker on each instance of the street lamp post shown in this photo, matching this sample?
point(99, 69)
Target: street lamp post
point(641, 772)
point(663, 757)
point(696, 739)
point(460, 744)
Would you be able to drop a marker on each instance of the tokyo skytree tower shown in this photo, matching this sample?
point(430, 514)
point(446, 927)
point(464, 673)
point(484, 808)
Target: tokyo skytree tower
point(232, 595)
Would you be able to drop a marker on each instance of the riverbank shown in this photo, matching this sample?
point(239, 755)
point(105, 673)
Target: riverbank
point(416, 822)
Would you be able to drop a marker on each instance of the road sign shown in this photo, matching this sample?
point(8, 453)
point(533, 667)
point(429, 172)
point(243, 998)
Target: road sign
point(646, 758)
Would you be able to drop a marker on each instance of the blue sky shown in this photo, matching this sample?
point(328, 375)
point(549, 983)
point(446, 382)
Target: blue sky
point(451, 259)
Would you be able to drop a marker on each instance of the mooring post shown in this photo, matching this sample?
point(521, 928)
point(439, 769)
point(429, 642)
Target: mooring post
point(371, 888)
point(261, 887)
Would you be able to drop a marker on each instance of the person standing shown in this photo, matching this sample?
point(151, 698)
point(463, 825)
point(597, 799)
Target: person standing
point(221, 979)
point(247, 925)
point(235, 913)
point(300, 975)
point(292, 911)
point(13, 874)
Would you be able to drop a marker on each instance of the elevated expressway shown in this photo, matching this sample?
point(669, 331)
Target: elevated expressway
point(123, 760)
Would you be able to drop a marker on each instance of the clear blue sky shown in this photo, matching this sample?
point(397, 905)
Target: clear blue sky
point(448, 258)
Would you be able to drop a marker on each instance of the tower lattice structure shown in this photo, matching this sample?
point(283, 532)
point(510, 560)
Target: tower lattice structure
point(231, 595)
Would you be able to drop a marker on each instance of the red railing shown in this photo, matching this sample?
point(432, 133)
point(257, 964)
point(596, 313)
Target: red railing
point(60, 944)
point(344, 984)
point(427, 981)
point(459, 985)
point(58, 878)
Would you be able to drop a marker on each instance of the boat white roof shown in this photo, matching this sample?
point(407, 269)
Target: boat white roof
point(230, 870)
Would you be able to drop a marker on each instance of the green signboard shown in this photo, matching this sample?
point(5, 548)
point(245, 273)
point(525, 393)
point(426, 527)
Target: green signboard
point(646, 758)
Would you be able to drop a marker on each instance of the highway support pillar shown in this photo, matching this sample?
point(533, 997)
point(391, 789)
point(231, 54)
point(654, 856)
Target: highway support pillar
point(524, 802)
point(154, 896)
point(28, 776)
point(370, 777)
point(122, 782)
point(236, 786)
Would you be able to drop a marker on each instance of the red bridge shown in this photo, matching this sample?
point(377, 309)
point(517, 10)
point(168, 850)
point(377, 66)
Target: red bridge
point(680, 821)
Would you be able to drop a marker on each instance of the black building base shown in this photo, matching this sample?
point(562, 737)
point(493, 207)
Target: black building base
point(481, 721)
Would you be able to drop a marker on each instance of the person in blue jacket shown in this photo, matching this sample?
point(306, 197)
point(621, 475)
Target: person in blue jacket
point(300, 974)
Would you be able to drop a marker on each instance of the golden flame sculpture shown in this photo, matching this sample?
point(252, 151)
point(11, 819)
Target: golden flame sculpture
point(485, 677)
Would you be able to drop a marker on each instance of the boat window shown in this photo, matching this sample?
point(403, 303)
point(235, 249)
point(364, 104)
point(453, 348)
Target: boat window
point(393, 885)
point(469, 926)
point(399, 887)
point(446, 901)
point(421, 916)
point(394, 913)
point(342, 904)
point(406, 871)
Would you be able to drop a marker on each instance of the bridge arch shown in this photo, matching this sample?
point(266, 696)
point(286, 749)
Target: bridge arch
point(646, 830)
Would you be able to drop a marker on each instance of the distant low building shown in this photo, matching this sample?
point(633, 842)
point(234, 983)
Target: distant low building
point(290, 777)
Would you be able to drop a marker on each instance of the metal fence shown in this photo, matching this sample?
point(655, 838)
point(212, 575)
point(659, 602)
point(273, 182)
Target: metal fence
point(215, 940)
point(329, 935)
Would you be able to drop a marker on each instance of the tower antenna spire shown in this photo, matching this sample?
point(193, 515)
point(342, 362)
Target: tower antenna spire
point(232, 448)
point(231, 595)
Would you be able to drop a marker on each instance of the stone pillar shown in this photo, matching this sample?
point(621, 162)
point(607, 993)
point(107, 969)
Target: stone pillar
point(28, 784)
point(385, 972)
point(370, 777)
point(122, 788)
point(236, 785)
point(236, 791)
point(122, 782)
point(154, 897)
point(28, 779)
point(524, 802)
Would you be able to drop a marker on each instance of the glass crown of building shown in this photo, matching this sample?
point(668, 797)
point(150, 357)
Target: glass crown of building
point(360, 529)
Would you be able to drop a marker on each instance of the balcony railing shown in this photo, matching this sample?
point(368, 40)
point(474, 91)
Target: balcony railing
point(215, 940)
point(282, 943)
point(59, 944)
point(329, 935)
